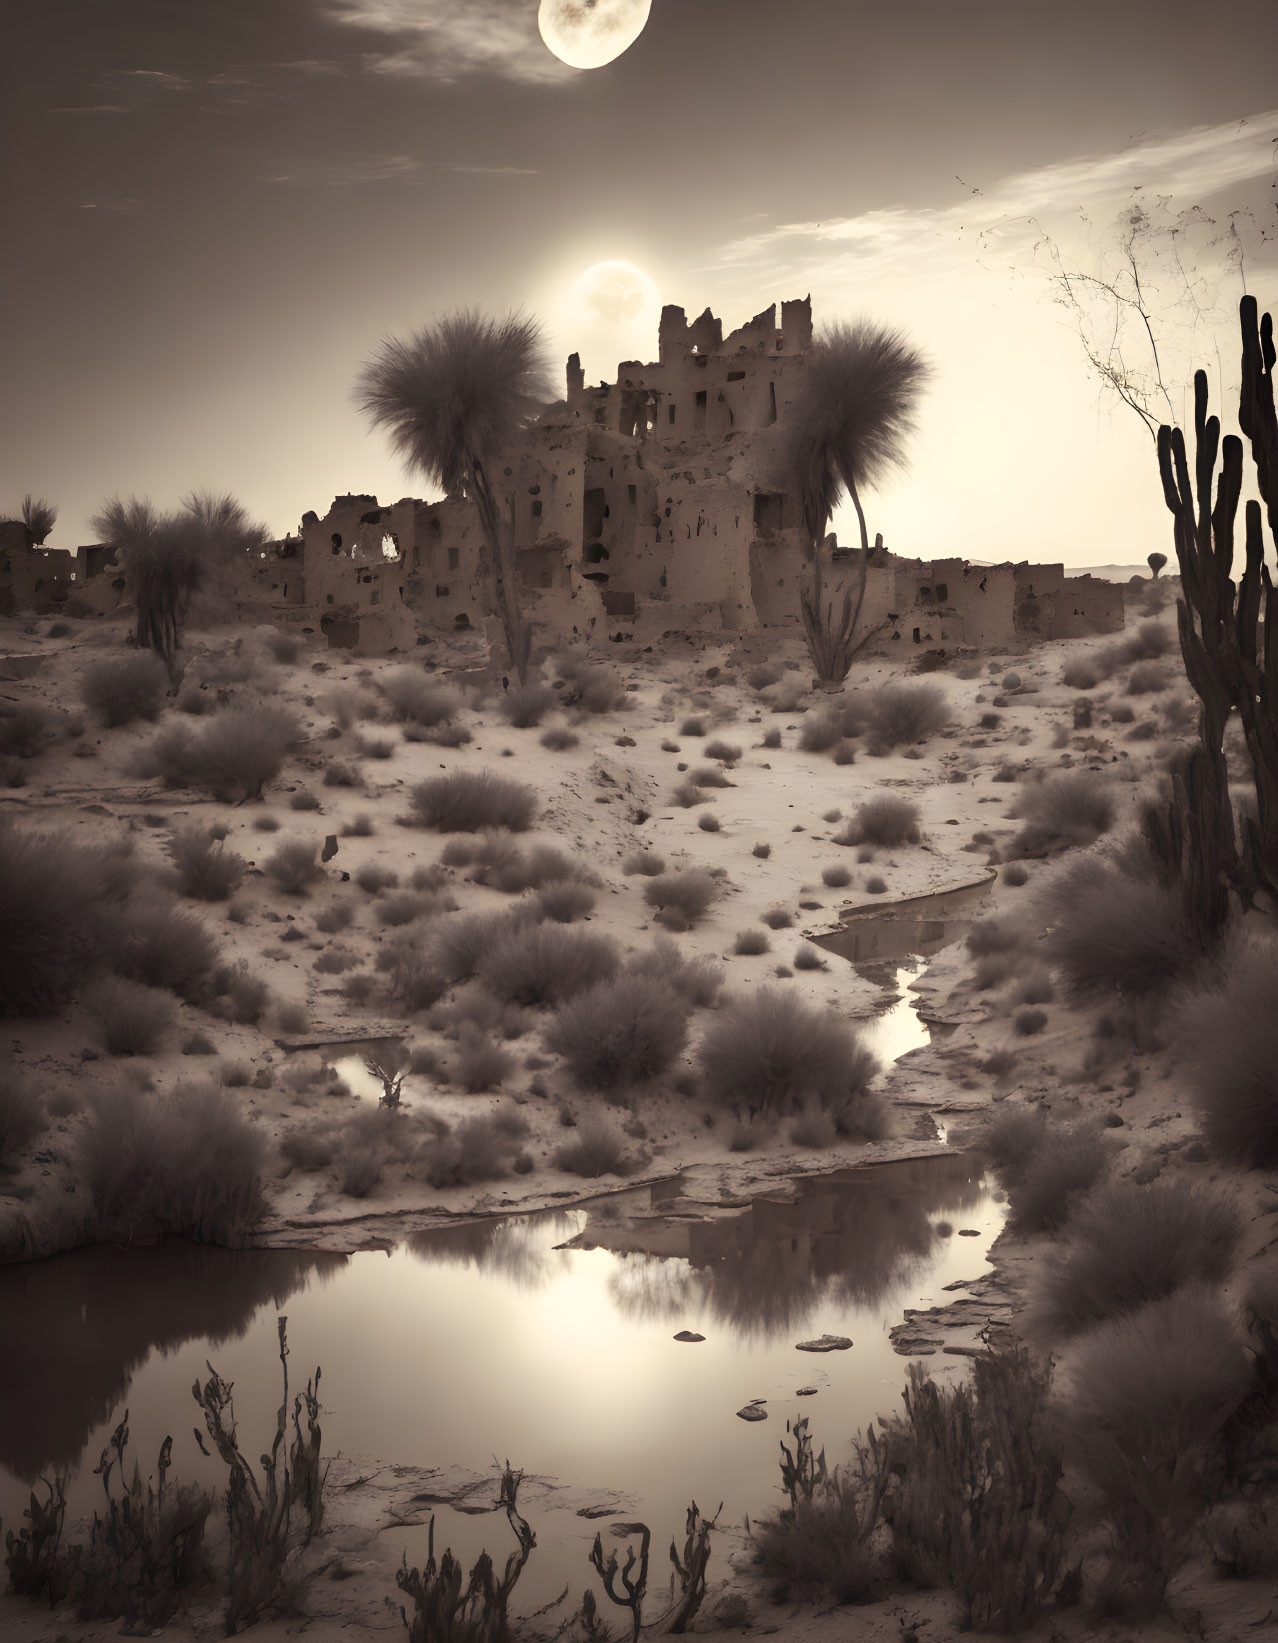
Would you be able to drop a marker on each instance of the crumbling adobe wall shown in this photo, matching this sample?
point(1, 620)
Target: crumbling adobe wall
point(1050, 605)
point(40, 580)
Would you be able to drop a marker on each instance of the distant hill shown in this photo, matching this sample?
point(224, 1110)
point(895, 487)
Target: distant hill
point(1107, 573)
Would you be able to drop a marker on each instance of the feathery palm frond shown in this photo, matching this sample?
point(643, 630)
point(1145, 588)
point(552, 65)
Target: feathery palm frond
point(220, 524)
point(854, 413)
point(456, 392)
point(39, 516)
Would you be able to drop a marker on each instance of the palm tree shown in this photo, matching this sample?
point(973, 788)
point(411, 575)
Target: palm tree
point(168, 556)
point(452, 396)
point(37, 515)
point(854, 413)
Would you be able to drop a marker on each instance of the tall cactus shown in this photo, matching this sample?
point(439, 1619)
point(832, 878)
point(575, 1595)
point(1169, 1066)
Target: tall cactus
point(1231, 655)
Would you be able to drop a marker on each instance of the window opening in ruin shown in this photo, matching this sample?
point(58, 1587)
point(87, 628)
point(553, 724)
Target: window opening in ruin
point(772, 397)
point(441, 590)
point(390, 546)
point(337, 542)
point(925, 595)
point(769, 507)
point(699, 418)
point(534, 490)
point(916, 637)
point(593, 553)
point(670, 411)
point(631, 493)
point(601, 415)
point(454, 558)
point(461, 620)
point(736, 376)
point(942, 592)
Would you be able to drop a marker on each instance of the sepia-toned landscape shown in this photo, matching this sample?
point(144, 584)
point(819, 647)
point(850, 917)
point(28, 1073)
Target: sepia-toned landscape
point(630, 1046)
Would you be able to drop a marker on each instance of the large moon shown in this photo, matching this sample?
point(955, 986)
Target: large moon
point(590, 33)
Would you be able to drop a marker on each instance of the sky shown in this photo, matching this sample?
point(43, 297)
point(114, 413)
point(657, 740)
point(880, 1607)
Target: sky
point(218, 208)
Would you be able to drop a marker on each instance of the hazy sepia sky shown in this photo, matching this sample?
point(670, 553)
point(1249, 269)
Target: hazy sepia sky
point(217, 207)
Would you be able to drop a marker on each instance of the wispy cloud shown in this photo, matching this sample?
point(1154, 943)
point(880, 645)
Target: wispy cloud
point(351, 172)
point(123, 204)
point(91, 108)
point(444, 41)
point(490, 170)
point(149, 79)
point(1189, 166)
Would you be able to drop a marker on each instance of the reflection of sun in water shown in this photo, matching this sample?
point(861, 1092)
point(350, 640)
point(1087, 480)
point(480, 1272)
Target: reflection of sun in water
point(590, 33)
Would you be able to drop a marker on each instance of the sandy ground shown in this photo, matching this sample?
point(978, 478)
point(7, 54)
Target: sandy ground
point(600, 801)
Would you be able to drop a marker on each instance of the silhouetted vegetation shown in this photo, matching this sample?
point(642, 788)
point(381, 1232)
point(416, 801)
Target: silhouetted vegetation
point(1061, 813)
point(120, 689)
point(206, 871)
point(884, 820)
point(468, 801)
point(620, 1032)
point(681, 898)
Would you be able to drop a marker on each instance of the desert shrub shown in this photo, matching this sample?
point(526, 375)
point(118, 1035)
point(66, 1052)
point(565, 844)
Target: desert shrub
point(1083, 674)
point(133, 1019)
point(285, 648)
point(695, 981)
point(725, 752)
point(835, 877)
point(198, 1044)
point(646, 862)
point(876, 885)
point(590, 689)
point(1034, 987)
point(1011, 1140)
point(1064, 1165)
point(762, 851)
point(22, 1115)
point(767, 1053)
point(1229, 1046)
point(564, 902)
point(749, 943)
point(596, 1148)
point(546, 964)
point(206, 872)
point(405, 907)
point(823, 1545)
point(335, 961)
point(620, 1032)
point(266, 824)
point(240, 749)
point(236, 1075)
point(468, 801)
point(1113, 933)
point(687, 796)
point(241, 996)
point(292, 1018)
point(1147, 679)
point(415, 981)
point(1014, 874)
point(294, 866)
point(410, 695)
point(1126, 1244)
point(527, 705)
point(480, 1064)
point(373, 878)
point(1026, 1023)
point(161, 945)
point(477, 1149)
point(309, 1147)
point(339, 774)
point(708, 776)
point(806, 957)
point(992, 971)
point(884, 820)
point(905, 713)
point(374, 747)
point(184, 1162)
point(1062, 812)
point(708, 822)
point(976, 1502)
point(771, 738)
point(336, 916)
point(347, 705)
point(302, 800)
point(994, 936)
point(498, 862)
point(1150, 1394)
point(559, 739)
point(460, 944)
point(681, 897)
point(55, 921)
point(1122, 713)
point(24, 730)
point(777, 918)
point(693, 727)
point(369, 1142)
point(120, 689)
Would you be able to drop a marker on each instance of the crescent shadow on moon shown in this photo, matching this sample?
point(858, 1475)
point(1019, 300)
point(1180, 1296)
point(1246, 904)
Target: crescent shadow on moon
point(590, 33)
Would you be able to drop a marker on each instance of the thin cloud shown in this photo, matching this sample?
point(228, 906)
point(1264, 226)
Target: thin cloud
point(491, 170)
point(442, 41)
point(1190, 165)
point(91, 108)
point(153, 79)
point(352, 173)
point(125, 204)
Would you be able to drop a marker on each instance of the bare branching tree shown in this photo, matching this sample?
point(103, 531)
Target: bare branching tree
point(849, 427)
point(452, 396)
point(168, 556)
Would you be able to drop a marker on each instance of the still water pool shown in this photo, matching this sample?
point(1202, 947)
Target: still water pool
point(545, 1338)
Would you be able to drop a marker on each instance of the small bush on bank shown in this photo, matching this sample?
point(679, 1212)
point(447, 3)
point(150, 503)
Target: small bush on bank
point(596, 1148)
point(294, 866)
point(1064, 1165)
point(481, 1065)
point(646, 862)
point(769, 1054)
point(749, 943)
point(337, 773)
point(1147, 679)
point(1062, 813)
point(370, 1141)
point(725, 752)
point(681, 898)
point(1230, 1048)
point(133, 1019)
point(460, 944)
point(777, 918)
point(1011, 1140)
point(835, 878)
point(468, 801)
point(415, 982)
point(976, 1502)
point(1027, 1023)
point(694, 981)
point(564, 901)
point(693, 727)
point(807, 958)
point(411, 696)
point(884, 820)
point(619, 1032)
point(822, 1547)
point(477, 1149)
point(161, 945)
point(120, 689)
point(839, 722)
point(1150, 1395)
point(22, 1115)
point(1115, 933)
point(1126, 1244)
point(546, 964)
point(558, 739)
point(206, 871)
point(183, 1162)
point(240, 996)
point(525, 706)
point(901, 714)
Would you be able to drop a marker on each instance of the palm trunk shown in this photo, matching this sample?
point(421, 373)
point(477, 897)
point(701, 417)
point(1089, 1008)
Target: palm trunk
point(501, 548)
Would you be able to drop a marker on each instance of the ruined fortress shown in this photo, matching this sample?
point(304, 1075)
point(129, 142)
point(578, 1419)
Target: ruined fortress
point(652, 504)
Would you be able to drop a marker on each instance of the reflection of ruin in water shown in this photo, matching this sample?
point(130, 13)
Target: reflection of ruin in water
point(78, 1325)
point(906, 929)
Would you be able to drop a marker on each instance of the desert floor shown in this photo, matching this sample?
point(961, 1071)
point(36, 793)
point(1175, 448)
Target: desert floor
point(601, 800)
